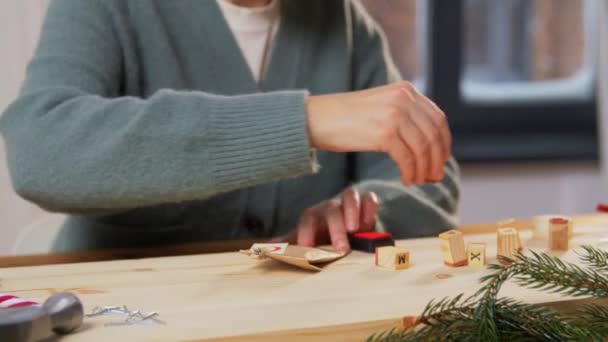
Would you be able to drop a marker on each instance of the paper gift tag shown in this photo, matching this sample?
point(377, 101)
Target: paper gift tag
point(303, 257)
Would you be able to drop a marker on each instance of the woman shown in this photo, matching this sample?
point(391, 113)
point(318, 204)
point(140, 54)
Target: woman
point(172, 121)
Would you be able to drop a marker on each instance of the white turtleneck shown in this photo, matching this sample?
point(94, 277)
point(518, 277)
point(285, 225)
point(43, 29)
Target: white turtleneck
point(254, 30)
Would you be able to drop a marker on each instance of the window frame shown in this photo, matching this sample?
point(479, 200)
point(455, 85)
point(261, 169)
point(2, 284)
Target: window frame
point(511, 121)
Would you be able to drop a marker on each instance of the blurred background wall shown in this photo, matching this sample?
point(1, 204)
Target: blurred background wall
point(508, 43)
point(21, 25)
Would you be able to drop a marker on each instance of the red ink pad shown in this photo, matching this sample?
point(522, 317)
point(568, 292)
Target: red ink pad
point(369, 241)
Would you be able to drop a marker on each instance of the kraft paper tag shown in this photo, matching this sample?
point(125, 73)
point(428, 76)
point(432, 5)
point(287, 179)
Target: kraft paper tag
point(303, 257)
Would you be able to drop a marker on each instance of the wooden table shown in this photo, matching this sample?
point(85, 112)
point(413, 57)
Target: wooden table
point(228, 296)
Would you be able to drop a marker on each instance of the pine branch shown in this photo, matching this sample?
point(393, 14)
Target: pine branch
point(515, 321)
point(485, 312)
point(446, 320)
point(540, 271)
point(446, 310)
point(536, 323)
point(547, 273)
point(484, 317)
point(596, 317)
point(440, 321)
point(595, 258)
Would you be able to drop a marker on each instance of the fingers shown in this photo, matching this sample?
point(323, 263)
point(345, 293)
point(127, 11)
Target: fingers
point(400, 153)
point(431, 147)
point(328, 220)
point(369, 209)
point(307, 227)
point(434, 140)
point(438, 116)
point(439, 122)
point(351, 207)
point(335, 225)
point(419, 145)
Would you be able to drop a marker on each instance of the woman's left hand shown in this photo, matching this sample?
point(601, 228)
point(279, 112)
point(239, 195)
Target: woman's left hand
point(332, 220)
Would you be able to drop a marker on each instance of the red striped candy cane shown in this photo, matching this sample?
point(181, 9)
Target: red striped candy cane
point(9, 301)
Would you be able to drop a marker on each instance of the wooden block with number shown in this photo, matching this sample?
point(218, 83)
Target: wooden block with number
point(392, 257)
point(508, 242)
point(476, 253)
point(452, 248)
point(558, 234)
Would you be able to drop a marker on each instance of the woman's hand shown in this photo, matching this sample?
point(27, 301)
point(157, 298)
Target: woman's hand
point(395, 119)
point(332, 220)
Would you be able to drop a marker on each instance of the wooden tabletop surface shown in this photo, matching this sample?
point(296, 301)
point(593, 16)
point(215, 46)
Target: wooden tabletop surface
point(228, 296)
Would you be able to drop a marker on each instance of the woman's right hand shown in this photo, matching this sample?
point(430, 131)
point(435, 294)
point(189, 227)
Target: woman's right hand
point(395, 119)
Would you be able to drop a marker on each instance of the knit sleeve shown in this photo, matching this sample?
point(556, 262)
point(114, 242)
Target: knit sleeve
point(405, 211)
point(76, 145)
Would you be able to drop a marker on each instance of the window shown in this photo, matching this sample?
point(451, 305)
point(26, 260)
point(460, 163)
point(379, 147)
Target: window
point(523, 40)
point(515, 77)
point(527, 49)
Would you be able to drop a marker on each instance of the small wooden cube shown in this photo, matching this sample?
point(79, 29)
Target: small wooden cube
point(508, 242)
point(541, 226)
point(394, 258)
point(476, 252)
point(509, 223)
point(452, 248)
point(558, 234)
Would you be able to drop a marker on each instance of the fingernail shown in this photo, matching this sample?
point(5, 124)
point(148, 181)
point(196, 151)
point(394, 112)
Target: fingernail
point(374, 197)
point(356, 195)
point(342, 245)
point(351, 227)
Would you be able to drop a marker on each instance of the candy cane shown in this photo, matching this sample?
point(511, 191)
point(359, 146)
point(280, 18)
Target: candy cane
point(9, 301)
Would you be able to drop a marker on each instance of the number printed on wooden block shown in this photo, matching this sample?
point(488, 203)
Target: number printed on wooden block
point(452, 248)
point(507, 243)
point(476, 252)
point(392, 257)
point(558, 234)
